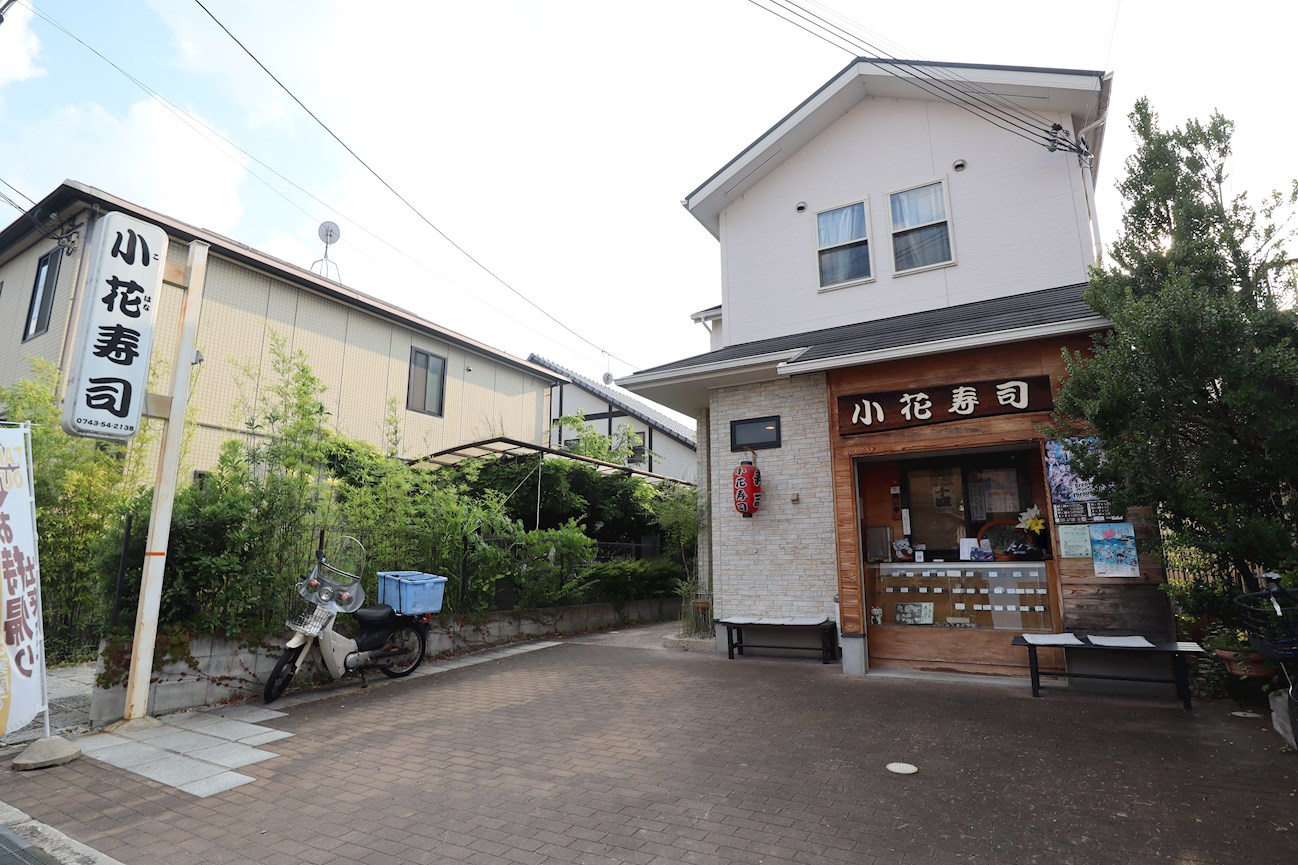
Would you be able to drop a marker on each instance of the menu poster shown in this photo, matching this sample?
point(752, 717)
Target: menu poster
point(1074, 542)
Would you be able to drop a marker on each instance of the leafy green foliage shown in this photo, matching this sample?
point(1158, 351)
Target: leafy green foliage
point(82, 487)
point(1194, 392)
point(619, 448)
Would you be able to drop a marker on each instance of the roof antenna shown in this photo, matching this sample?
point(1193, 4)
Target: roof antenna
point(329, 233)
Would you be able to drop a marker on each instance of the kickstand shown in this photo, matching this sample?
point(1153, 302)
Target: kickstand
point(364, 683)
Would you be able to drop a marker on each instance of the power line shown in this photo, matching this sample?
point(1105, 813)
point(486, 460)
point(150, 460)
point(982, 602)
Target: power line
point(402, 198)
point(194, 123)
point(922, 79)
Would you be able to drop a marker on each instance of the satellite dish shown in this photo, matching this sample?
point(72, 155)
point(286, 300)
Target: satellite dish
point(608, 378)
point(329, 233)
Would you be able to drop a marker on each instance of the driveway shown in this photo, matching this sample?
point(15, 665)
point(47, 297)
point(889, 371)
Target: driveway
point(612, 749)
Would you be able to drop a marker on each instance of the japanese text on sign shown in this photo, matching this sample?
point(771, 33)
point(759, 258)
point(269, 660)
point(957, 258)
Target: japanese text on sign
point(106, 389)
point(920, 406)
point(21, 637)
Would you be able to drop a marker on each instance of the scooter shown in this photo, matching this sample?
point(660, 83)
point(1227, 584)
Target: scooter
point(388, 641)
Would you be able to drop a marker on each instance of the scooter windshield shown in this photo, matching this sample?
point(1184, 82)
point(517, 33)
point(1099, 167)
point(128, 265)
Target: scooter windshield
point(329, 594)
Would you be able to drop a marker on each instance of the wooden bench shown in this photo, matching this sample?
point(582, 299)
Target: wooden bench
point(827, 628)
point(1177, 652)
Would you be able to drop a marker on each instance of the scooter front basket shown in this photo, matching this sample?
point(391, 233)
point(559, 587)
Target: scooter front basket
point(306, 618)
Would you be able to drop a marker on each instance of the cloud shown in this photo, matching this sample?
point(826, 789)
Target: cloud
point(147, 156)
point(19, 47)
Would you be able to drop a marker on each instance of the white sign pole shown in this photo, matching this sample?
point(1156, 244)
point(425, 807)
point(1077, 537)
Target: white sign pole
point(155, 548)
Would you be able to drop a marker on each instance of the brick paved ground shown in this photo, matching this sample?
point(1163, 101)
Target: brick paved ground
point(598, 753)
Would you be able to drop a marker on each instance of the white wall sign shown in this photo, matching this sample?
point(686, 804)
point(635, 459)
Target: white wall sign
point(22, 639)
point(115, 324)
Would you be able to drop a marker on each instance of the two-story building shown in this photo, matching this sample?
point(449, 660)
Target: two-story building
point(902, 262)
point(374, 358)
point(664, 446)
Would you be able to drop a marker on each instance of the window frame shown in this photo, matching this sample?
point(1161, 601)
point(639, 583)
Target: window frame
point(40, 309)
point(422, 408)
point(761, 445)
point(893, 231)
point(867, 241)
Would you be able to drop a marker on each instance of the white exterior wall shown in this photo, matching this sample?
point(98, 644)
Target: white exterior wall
point(362, 359)
point(782, 561)
point(17, 279)
point(673, 459)
point(1017, 215)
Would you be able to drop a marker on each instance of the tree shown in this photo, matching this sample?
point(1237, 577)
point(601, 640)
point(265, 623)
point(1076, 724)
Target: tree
point(620, 447)
point(1193, 394)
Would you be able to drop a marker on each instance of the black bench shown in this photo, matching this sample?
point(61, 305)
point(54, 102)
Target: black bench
point(828, 629)
point(1177, 652)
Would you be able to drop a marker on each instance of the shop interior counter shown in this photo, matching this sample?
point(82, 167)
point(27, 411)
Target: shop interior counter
point(1001, 596)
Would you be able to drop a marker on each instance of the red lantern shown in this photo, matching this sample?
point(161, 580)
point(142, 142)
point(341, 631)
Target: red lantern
point(748, 487)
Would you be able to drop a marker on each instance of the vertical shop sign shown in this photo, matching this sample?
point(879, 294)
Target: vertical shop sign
point(110, 371)
point(22, 653)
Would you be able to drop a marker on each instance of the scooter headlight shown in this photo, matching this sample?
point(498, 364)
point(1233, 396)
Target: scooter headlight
point(326, 594)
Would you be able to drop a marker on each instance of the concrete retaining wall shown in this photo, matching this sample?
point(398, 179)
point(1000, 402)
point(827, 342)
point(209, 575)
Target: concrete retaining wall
point(227, 671)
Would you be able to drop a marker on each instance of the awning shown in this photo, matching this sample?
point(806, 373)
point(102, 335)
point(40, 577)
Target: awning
point(514, 448)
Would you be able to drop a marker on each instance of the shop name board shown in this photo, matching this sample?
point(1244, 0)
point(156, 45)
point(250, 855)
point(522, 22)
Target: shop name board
point(914, 407)
point(110, 372)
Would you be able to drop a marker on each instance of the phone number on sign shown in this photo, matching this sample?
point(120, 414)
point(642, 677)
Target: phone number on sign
point(86, 421)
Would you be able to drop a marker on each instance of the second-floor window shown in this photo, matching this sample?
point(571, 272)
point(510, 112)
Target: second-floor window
point(427, 388)
point(38, 314)
point(843, 245)
point(921, 233)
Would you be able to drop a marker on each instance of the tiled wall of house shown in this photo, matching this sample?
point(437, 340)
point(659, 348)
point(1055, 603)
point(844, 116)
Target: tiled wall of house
point(18, 276)
point(781, 562)
point(363, 361)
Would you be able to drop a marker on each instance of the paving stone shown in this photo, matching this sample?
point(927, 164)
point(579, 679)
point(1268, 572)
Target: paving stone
point(214, 784)
point(231, 755)
point(601, 750)
point(176, 770)
point(129, 754)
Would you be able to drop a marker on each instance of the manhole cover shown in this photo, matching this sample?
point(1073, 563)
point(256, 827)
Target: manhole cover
point(902, 768)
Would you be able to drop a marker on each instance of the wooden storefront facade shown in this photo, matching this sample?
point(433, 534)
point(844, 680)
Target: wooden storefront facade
point(938, 615)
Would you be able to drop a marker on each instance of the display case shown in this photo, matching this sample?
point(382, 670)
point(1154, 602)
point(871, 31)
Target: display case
point(1002, 596)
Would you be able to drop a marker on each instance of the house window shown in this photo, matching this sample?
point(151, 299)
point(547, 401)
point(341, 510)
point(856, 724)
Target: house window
point(637, 450)
point(843, 245)
point(757, 433)
point(38, 314)
point(921, 236)
point(427, 382)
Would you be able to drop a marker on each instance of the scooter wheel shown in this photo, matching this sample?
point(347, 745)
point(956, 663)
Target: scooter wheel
point(282, 674)
point(409, 642)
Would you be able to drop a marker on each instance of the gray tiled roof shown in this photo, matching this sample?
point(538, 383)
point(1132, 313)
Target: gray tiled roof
point(630, 405)
point(1047, 306)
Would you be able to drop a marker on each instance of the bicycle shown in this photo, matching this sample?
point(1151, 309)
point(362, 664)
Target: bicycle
point(1271, 619)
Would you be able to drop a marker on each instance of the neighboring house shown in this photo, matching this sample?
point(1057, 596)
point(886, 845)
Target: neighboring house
point(446, 388)
point(899, 278)
point(666, 446)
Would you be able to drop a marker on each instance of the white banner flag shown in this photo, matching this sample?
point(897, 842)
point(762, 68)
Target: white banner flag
point(22, 659)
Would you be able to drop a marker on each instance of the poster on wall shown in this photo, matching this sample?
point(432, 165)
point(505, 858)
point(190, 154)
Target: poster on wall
point(1074, 499)
point(1113, 549)
point(915, 613)
point(1074, 542)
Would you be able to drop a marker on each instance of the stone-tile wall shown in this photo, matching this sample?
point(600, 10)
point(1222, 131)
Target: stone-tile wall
point(782, 561)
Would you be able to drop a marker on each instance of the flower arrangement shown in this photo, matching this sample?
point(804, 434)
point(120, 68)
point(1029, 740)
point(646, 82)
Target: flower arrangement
point(1031, 521)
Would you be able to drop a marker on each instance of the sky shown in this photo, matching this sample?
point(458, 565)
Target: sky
point(551, 140)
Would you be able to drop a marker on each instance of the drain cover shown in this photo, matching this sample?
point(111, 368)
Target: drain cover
point(902, 768)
